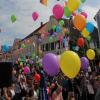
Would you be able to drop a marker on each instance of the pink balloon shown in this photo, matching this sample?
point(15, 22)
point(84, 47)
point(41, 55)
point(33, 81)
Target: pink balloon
point(74, 13)
point(26, 70)
point(60, 38)
point(84, 14)
point(58, 11)
point(35, 16)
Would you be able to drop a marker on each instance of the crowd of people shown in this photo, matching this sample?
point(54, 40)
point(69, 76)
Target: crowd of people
point(37, 85)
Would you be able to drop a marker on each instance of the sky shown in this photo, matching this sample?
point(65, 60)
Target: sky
point(23, 10)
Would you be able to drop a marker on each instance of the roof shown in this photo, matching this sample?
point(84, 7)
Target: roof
point(33, 33)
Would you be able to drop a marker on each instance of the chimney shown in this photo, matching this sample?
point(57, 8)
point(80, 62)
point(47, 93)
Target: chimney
point(41, 23)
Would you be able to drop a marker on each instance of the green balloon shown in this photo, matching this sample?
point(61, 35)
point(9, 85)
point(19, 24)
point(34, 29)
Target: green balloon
point(61, 23)
point(13, 18)
point(28, 65)
point(83, 1)
point(89, 38)
point(33, 55)
point(67, 12)
point(50, 39)
point(23, 46)
point(21, 63)
point(54, 27)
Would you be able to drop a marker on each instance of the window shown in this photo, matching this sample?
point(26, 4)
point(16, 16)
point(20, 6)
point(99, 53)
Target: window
point(47, 47)
point(52, 46)
point(58, 44)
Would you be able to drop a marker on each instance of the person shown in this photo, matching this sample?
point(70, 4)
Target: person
point(97, 96)
point(42, 88)
point(65, 89)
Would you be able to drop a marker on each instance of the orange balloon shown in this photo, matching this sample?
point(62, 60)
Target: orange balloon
point(79, 22)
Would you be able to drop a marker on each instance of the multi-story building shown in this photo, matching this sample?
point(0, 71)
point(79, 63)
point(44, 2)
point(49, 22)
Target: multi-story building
point(97, 19)
point(32, 44)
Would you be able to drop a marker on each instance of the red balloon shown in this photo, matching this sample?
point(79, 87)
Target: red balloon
point(37, 77)
point(80, 42)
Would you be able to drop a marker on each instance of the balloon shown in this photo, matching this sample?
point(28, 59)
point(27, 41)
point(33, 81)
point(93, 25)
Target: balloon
point(67, 12)
point(33, 55)
point(80, 42)
point(31, 62)
point(79, 10)
point(90, 54)
point(26, 70)
point(21, 64)
point(50, 39)
point(74, 13)
point(23, 46)
point(54, 27)
point(84, 14)
point(55, 33)
point(83, 1)
point(85, 33)
point(58, 11)
point(37, 77)
point(61, 23)
point(58, 29)
point(70, 64)
point(79, 22)
point(5, 48)
point(35, 16)
point(39, 40)
point(73, 5)
point(13, 18)
point(84, 63)
point(90, 27)
point(65, 3)
point(60, 38)
point(89, 38)
point(50, 64)
point(42, 36)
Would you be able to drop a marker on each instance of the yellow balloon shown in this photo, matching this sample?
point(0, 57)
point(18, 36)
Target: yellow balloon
point(85, 33)
point(73, 5)
point(90, 54)
point(70, 64)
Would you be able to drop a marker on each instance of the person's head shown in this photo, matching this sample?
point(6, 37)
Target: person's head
point(14, 72)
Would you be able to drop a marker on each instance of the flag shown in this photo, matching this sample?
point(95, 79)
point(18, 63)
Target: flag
point(44, 2)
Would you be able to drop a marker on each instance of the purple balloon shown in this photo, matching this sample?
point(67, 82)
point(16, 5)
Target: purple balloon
point(50, 64)
point(84, 63)
point(39, 40)
point(55, 33)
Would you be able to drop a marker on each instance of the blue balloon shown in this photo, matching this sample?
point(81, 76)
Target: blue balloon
point(58, 29)
point(90, 27)
point(5, 48)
